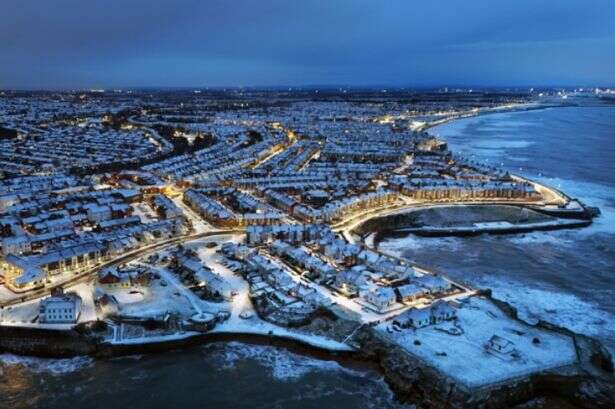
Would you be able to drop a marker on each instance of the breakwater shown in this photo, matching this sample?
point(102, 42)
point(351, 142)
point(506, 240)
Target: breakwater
point(468, 220)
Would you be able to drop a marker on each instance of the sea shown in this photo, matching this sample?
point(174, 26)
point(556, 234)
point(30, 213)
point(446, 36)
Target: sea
point(566, 277)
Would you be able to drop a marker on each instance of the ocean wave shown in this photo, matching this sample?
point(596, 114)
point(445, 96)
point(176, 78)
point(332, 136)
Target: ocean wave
point(283, 364)
point(593, 194)
point(48, 365)
point(397, 246)
point(557, 307)
point(500, 144)
point(556, 238)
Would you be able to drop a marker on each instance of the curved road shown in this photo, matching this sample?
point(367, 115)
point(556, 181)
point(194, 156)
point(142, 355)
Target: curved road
point(86, 275)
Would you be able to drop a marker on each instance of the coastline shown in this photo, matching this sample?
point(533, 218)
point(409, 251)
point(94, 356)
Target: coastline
point(397, 224)
point(528, 106)
point(378, 358)
point(408, 376)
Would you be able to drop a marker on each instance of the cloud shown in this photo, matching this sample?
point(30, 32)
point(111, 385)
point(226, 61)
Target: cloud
point(190, 42)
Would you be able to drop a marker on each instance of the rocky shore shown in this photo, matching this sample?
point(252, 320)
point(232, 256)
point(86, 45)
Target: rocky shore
point(589, 383)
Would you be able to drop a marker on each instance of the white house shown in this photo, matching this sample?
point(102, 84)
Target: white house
point(416, 318)
point(422, 317)
point(442, 311)
point(381, 297)
point(60, 309)
point(410, 292)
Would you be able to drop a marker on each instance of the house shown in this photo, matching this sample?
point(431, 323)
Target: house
point(380, 297)
point(442, 311)
point(107, 304)
point(16, 245)
point(112, 278)
point(434, 284)
point(421, 317)
point(410, 292)
point(500, 345)
point(21, 272)
point(347, 282)
point(414, 318)
point(109, 277)
point(215, 284)
point(60, 308)
point(192, 268)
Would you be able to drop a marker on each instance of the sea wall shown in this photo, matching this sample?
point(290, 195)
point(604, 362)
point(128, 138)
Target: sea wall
point(45, 342)
point(459, 219)
point(587, 384)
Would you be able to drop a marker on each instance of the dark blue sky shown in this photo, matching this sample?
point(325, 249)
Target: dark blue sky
point(177, 43)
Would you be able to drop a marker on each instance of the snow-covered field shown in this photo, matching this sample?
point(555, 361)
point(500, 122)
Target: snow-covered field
point(466, 359)
point(20, 314)
point(158, 301)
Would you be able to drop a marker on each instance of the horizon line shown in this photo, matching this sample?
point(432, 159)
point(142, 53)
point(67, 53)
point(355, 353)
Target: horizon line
point(306, 87)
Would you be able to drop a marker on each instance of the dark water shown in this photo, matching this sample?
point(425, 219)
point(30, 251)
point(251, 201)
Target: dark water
point(567, 276)
point(220, 375)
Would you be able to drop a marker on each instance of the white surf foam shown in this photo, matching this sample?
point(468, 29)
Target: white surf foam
point(284, 365)
point(46, 365)
point(559, 308)
point(290, 367)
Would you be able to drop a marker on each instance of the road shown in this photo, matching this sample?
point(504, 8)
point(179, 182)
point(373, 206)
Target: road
point(86, 275)
point(410, 205)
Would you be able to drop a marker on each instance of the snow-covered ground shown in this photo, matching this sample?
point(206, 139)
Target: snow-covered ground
point(241, 304)
point(25, 313)
point(129, 295)
point(145, 212)
point(20, 314)
point(254, 325)
point(172, 280)
point(466, 359)
point(150, 339)
point(198, 223)
point(539, 299)
point(86, 292)
point(158, 301)
point(559, 308)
